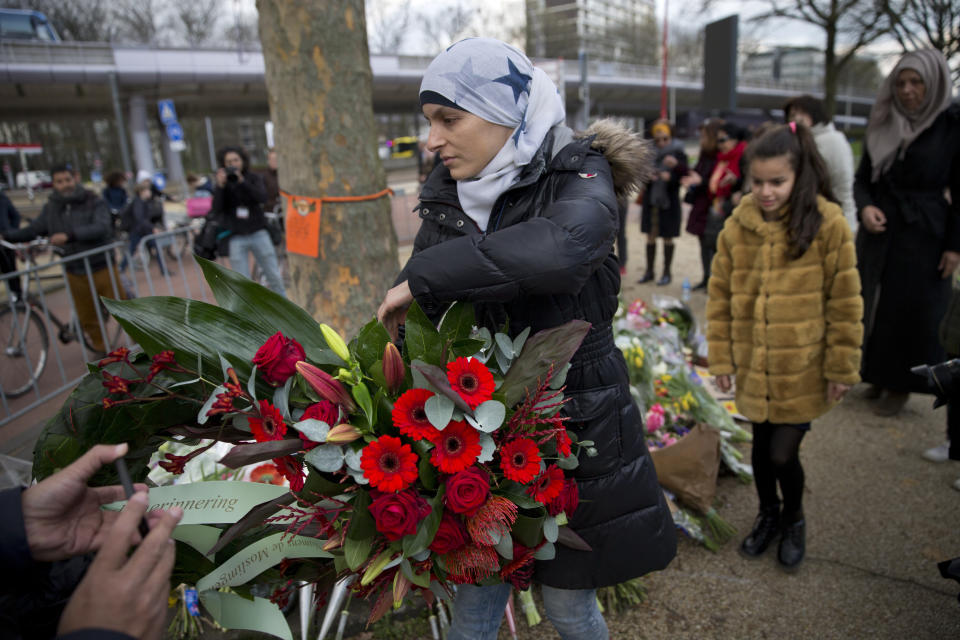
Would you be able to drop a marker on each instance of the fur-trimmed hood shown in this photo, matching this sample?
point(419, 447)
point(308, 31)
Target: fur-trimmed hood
point(629, 155)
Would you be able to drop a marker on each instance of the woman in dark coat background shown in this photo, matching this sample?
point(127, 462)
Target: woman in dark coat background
point(697, 183)
point(661, 213)
point(908, 243)
point(523, 228)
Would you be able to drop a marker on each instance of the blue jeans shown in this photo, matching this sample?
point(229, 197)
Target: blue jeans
point(478, 611)
point(260, 245)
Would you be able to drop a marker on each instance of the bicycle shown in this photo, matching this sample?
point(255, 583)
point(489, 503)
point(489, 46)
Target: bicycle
point(24, 330)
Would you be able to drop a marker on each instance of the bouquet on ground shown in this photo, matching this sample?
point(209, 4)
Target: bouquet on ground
point(411, 471)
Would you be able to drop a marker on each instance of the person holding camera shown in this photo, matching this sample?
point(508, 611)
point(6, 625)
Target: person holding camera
point(238, 200)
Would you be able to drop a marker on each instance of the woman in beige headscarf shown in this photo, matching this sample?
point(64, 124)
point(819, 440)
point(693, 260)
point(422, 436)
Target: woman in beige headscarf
point(908, 243)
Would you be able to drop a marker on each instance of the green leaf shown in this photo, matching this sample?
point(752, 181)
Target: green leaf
point(421, 339)
point(549, 347)
point(362, 395)
point(313, 429)
point(515, 494)
point(457, 323)
point(437, 381)
point(281, 397)
point(428, 473)
point(419, 579)
point(490, 415)
point(528, 530)
point(550, 529)
point(326, 457)
point(439, 410)
point(368, 346)
point(359, 539)
point(465, 348)
point(546, 552)
point(426, 530)
point(520, 340)
point(505, 344)
point(505, 546)
point(253, 518)
point(568, 463)
point(267, 309)
point(487, 448)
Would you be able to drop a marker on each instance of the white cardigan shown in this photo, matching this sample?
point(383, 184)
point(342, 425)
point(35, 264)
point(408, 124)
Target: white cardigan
point(838, 157)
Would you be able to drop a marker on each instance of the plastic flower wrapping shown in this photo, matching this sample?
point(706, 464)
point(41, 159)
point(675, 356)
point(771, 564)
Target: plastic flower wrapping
point(662, 348)
point(410, 470)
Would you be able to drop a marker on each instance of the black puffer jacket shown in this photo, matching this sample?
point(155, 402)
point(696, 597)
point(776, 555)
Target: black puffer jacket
point(547, 259)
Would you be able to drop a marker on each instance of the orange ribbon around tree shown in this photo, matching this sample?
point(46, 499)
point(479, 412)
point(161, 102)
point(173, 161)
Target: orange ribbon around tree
point(303, 219)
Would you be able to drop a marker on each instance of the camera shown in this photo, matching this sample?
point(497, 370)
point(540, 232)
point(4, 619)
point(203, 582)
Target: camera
point(232, 174)
point(942, 380)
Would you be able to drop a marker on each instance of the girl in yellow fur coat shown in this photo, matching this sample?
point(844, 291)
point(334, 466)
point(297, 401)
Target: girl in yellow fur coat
point(784, 316)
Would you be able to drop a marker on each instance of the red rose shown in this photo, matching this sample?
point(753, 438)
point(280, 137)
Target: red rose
point(467, 490)
point(324, 411)
point(398, 514)
point(277, 358)
point(567, 501)
point(451, 535)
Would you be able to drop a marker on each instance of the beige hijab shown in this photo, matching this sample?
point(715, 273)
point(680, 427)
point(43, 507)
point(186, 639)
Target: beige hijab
point(891, 129)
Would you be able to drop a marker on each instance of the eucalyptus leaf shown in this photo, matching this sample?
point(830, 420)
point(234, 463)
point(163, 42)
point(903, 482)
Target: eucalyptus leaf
point(326, 457)
point(352, 458)
point(484, 336)
point(202, 414)
point(252, 384)
point(520, 340)
point(487, 448)
point(550, 529)
point(468, 347)
point(281, 397)
point(420, 557)
point(419, 380)
point(439, 410)
point(419, 579)
point(504, 546)
point(545, 348)
point(505, 344)
point(313, 429)
point(560, 377)
point(546, 552)
point(490, 415)
point(569, 463)
point(503, 361)
point(224, 365)
point(358, 476)
point(241, 422)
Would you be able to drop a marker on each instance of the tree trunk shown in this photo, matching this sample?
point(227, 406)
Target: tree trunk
point(319, 83)
point(830, 72)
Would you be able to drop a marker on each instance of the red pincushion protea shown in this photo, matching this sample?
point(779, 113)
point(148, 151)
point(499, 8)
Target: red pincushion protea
point(472, 380)
point(520, 460)
point(457, 447)
point(548, 486)
point(269, 425)
point(410, 417)
point(389, 464)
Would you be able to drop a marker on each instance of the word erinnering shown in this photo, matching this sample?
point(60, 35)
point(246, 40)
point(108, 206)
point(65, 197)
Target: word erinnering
point(218, 502)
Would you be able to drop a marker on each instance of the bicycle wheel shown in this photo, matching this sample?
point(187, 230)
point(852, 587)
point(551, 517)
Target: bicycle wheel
point(25, 349)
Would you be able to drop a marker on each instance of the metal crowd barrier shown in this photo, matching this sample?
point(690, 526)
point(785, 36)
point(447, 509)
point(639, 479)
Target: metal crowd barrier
point(44, 349)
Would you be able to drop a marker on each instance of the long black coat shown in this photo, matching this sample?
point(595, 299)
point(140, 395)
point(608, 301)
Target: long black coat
point(904, 296)
point(547, 259)
point(668, 218)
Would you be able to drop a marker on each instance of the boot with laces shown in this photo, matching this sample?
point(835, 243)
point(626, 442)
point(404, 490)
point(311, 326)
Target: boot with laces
point(765, 529)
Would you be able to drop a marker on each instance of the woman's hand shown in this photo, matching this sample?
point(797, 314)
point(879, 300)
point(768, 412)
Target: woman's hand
point(670, 162)
point(729, 178)
point(873, 219)
point(724, 383)
point(948, 263)
point(393, 309)
point(836, 391)
point(692, 179)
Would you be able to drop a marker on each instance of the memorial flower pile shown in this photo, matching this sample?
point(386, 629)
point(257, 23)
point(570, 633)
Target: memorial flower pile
point(410, 470)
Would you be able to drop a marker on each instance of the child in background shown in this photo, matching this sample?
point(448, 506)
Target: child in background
point(139, 220)
point(784, 316)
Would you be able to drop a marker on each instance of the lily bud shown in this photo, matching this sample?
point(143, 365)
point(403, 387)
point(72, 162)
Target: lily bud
point(342, 434)
point(334, 543)
point(335, 342)
point(326, 385)
point(394, 370)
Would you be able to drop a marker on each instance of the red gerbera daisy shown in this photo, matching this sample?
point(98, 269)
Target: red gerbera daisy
point(267, 474)
point(292, 470)
point(457, 447)
point(269, 425)
point(563, 443)
point(389, 464)
point(472, 380)
point(548, 486)
point(409, 415)
point(520, 460)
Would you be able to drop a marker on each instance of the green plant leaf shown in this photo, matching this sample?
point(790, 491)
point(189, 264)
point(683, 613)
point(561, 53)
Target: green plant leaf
point(368, 346)
point(362, 395)
point(253, 518)
point(313, 429)
point(419, 579)
point(426, 530)
point(267, 309)
point(465, 348)
point(421, 339)
point(489, 415)
point(520, 340)
point(569, 538)
point(550, 529)
point(549, 347)
point(546, 552)
point(326, 457)
point(487, 448)
point(359, 538)
point(504, 546)
point(437, 381)
point(505, 344)
point(439, 410)
point(516, 495)
point(457, 323)
point(528, 530)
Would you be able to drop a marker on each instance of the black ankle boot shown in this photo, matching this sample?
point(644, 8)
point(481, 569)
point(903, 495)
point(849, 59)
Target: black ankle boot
point(793, 545)
point(651, 258)
point(667, 263)
point(765, 529)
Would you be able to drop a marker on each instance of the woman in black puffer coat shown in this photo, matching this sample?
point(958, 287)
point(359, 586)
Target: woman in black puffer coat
point(524, 229)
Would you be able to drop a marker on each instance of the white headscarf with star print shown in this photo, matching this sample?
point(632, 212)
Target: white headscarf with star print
point(498, 83)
